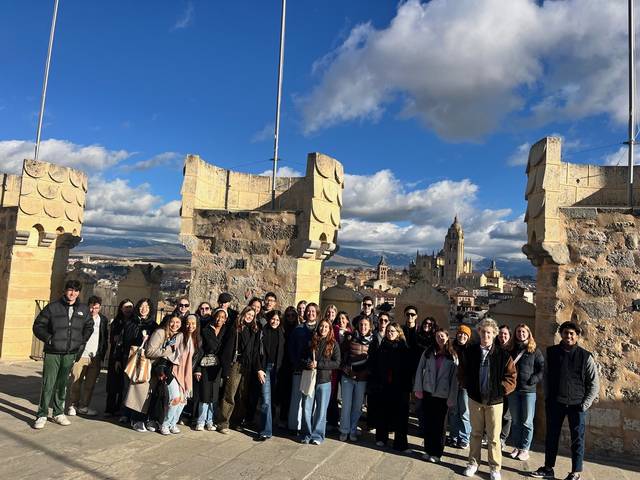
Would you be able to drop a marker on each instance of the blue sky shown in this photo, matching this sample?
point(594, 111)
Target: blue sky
point(430, 106)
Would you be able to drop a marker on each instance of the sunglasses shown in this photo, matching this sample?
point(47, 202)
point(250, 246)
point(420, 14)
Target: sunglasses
point(183, 305)
point(204, 308)
point(368, 304)
point(408, 314)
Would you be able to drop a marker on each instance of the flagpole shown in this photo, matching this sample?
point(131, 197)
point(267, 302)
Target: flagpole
point(46, 78)
point(632, 127)
point(279, 98)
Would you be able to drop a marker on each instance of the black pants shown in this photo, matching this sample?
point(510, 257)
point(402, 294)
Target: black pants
point(115, 385)
point(506, 421)
point(434, 424)
point(555, 418)
point(393, 416)
point(283, 389)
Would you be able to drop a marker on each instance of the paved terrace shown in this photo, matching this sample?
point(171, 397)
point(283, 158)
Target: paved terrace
point(100, 449)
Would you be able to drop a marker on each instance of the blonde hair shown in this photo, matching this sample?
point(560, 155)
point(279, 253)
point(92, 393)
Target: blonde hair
point(531, 342)
point(488, 323)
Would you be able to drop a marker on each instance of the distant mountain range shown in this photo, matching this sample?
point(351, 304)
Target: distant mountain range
point(345, 258)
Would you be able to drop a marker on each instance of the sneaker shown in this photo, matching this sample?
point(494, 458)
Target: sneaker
point(523, 455)
point(152, 426)
point(484, 442)
point(305, 441)
point(174, 429)
point(89, 412)
point(315, 442)
point(514, 453)
point(463, 445)
point(260, 438)
point(71, 411)
point(61, 420)
point(495, 475)
point(139, 427)
point(426, 457)
point(210, 427)
point(543, 472)
point(353, 437)
point(379, 443)
point(343, 437)
point(471, 470)
point(451, 442)
point(40, 423)
point(199, 427)
point(573, 476)
point(433, 459)
point(165, 430)
point(224, 431)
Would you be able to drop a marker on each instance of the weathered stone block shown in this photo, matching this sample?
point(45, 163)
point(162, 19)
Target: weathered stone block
point(595, 285)
point(632, 424)
point(604, 417)
point(621, 259)
point(631, 285)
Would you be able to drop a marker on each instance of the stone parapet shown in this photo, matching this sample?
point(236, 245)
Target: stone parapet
point(41, 215)
point(241, 243)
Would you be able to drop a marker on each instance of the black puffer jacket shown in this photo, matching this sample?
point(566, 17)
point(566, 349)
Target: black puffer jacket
point(530, 368)
point(132, 333)
point(60, 334)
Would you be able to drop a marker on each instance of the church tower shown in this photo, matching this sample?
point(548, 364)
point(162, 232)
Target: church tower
point(454, 263)
point(383, 268)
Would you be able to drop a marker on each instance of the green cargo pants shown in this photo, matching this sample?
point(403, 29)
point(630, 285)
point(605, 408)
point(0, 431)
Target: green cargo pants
point(55, 373)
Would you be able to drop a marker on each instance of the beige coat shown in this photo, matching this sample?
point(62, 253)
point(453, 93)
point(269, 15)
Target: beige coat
point(138, 394)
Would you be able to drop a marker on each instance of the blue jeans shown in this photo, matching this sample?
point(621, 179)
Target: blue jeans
point(555, 418)
point(314, 406)
point(522, 406)
point(206, 413)
point(175, 405)
point(352, 399)
point(459, 424)
point(295, 407)
point(269, 384)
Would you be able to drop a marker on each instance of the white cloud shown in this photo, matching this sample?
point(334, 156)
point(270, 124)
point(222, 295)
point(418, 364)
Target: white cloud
point(520, 156)
point(282, 172)
point(266, 133)
point(62, 152)
point(463, 67)
point(116, 208)
point(185, 19)
point(164, 159)
point(620, 158)
point(380, 213)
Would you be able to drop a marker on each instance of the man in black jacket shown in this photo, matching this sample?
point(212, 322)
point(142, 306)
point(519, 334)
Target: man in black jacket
point(87, 368)
point(64, 326)
point(571, 386)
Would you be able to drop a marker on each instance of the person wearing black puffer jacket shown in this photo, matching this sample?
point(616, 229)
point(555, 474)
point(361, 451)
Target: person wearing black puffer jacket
point(64, 326)
point(529, 363)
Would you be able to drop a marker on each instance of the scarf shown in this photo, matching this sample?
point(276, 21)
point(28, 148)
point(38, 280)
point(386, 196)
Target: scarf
point(183, 370)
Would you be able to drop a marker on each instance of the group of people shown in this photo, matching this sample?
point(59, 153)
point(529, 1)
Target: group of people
point(219, 369)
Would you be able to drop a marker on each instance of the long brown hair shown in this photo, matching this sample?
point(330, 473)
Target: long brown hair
point(448, 346)
point(240, 321)
point(531, 342)
point(195, 336)
point(331, 339)
point(167, 331)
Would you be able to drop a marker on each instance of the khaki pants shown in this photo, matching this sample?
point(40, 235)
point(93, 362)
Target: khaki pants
point(83, 378)
point(485, 418)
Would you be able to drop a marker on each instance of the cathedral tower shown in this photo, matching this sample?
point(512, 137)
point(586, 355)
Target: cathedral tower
point(454, 264)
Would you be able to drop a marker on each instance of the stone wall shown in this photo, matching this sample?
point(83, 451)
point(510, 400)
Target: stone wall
point(586, 251)
point(41, 215)
point(241, 244)
point(141, 281)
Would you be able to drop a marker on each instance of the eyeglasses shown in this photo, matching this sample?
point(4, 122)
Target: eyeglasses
point(183, 305)
point(384, 320)
point(367, 304)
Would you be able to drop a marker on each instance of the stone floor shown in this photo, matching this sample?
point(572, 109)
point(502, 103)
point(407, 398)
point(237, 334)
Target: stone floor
point(95, 448)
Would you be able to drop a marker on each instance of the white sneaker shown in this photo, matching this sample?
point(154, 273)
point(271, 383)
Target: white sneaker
point(174, 429)
point(89, 412)
point(71, 411)
point(165, 430)
point(471, 470)
point(61, 420)
point(199, 427)
point(152, 426)
point(434, 459)
point(523, 455)
point(343, 437)
point(139, 427)
point(353, 437)
point(495, 475)
point(210, 428)
point(40, 423)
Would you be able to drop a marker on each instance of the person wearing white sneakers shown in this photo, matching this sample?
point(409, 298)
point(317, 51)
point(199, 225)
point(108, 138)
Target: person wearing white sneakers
point(87, 368)
point(487, 372)
point(64, 326)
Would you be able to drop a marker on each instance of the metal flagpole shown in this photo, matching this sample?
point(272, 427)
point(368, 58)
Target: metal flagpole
point(46, 78)
point(632, 127)
point(277, 127)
